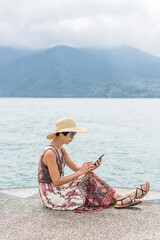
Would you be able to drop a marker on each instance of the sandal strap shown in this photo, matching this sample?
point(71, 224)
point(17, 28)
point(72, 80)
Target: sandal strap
point(139, 188)
point(121, 200)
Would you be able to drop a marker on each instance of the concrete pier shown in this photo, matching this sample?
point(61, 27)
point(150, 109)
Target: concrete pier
point(23, 216)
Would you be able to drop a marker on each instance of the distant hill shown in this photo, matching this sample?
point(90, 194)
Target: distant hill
point(73, 72)
point(8, 54)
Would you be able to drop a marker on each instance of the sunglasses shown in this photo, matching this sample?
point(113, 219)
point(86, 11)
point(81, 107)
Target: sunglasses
point(72, 134)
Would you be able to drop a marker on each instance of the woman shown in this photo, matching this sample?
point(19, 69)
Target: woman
point(82, 191)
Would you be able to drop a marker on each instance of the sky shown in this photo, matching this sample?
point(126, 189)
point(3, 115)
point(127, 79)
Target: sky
point(107, 24)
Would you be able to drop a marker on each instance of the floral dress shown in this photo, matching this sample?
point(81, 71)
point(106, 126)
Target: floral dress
point(87, 193)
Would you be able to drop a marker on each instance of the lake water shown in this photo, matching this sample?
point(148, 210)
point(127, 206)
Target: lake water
point(126, 130)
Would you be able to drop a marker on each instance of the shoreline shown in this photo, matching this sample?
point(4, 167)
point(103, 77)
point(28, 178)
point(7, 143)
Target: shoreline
point(10, 188)
point(32, 192)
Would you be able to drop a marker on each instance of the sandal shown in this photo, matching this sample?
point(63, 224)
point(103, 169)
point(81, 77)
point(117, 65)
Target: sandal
point(144, 192)
point(131, 203)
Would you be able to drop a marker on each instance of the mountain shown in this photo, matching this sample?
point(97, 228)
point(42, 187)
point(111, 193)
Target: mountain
point(8, 54)
point(82, 72)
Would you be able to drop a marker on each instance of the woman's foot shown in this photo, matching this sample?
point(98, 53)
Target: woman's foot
point(126, 201)
point(140, 191)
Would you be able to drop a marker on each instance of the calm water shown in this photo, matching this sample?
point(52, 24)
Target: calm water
point(126, 130)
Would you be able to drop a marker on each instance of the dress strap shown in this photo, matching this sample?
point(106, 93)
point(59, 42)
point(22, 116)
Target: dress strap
point(54, 149)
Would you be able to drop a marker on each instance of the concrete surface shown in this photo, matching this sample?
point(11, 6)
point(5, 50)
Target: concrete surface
point(22, 216)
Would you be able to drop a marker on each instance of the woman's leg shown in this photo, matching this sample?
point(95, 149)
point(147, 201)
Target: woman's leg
point(116, 196)
point(141, 190)
point(126, 199)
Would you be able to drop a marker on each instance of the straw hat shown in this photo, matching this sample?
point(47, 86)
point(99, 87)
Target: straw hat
point(65, 125)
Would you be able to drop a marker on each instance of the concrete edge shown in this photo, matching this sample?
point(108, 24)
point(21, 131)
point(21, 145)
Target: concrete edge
point(32, 192)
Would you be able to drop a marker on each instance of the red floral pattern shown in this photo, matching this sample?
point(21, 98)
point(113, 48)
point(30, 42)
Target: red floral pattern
point(98, 195)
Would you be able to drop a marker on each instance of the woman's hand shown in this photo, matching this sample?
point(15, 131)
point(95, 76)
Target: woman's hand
point(97, 163)
point(87, 167)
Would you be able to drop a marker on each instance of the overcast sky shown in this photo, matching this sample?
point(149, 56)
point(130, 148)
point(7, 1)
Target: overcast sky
point(81, 23)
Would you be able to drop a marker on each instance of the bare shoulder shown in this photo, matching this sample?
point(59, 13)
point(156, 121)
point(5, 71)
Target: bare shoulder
point(49, 156)
point(50, 153)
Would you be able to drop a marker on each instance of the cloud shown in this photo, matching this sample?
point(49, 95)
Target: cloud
point(80, 23)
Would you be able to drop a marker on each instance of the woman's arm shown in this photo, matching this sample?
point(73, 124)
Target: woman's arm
point(50, 160)
point(72, 165)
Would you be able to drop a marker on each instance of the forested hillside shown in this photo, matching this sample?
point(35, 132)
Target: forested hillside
point(73, 72)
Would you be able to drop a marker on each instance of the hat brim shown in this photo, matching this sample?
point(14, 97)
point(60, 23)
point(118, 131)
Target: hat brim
point(53, 135)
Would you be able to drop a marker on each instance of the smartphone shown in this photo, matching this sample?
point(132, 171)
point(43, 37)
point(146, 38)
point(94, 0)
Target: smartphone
point(99, 158)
